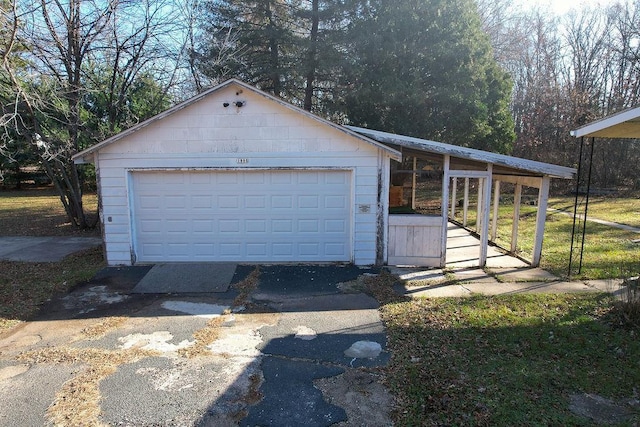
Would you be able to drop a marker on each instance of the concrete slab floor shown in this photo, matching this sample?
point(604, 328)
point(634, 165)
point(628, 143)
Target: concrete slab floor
point(473, 275)
point(451, 290)
point(187, 277)
point(419, 276)
point(557, 287)
point(522, 274)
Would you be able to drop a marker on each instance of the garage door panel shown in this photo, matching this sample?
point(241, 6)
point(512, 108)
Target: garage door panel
point(228, 202)
point(203, 226)
point(255, 202)
point(281, 202)
point(282, 226)
point(282, 178)
point(201, 202)
point(309, 178)
point(242, 215)
point(308, 202)
point(229, 226)
point(204, 249)
point(309, 249)
point(256, 226)
point(335, 226)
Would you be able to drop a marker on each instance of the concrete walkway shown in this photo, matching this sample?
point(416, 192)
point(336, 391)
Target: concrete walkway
point(43, 249)
point(598, 221)
point(463, 282)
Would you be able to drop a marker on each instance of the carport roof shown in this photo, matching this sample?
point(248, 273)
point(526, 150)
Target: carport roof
point(507, 164)
point(625, 124)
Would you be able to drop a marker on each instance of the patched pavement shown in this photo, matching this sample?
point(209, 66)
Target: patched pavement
point(293, 351)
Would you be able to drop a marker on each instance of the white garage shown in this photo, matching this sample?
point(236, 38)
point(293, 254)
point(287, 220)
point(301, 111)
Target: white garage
point(256, 216)
point(237, 175)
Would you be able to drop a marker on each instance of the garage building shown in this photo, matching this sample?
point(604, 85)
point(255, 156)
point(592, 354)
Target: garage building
point(235, 174)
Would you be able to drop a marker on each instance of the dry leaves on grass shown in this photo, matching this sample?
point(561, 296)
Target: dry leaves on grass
point(25, 286)
point(39, 212)
point(381, 287)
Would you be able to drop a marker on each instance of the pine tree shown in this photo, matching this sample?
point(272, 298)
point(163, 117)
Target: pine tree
point(425, 69)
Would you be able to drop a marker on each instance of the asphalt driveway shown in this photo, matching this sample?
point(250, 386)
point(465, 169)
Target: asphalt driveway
point(279, 346)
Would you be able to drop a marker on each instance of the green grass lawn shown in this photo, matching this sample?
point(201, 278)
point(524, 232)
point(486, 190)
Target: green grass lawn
point(509, 360)
point(608, 252)
point(623, 210)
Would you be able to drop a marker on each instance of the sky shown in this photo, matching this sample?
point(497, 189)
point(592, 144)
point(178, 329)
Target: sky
point(560, 7)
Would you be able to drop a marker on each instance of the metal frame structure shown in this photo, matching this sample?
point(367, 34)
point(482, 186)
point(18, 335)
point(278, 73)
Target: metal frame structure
point(622, 125)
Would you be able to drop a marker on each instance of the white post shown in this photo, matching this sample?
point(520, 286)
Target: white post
point(541, 217)
point(479, 207)
point(466, 202)
point(454, 189)
point(486, 210)
point(496, 206)
point(517, 200)
point(413, 184)
point(445, 210)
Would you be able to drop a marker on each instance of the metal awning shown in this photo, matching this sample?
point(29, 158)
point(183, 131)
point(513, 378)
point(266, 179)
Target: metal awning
point(502, 164)
point(625, 124)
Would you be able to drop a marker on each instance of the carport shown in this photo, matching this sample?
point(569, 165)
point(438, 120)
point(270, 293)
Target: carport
point(622, 125)
point(461, 169)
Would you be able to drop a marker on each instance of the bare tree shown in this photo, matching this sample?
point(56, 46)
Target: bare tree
point(82, 61)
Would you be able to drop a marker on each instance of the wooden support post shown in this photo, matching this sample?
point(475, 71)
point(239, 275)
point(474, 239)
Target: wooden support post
point(541, 217)
point(517, 200)
point(479, 206)
point(485, 212)
point(454, 189)
point(466, 202)
point(445, 210)
point(496, 206)
point(413, 183)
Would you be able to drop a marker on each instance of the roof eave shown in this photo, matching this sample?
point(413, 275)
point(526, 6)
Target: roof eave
point(611, 126)
point(553, 171)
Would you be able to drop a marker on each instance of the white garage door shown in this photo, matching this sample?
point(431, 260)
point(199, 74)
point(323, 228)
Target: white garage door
point(278, 216)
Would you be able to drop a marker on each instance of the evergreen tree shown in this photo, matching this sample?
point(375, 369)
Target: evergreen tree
point(256, 38)
point(425, 69)
point(288, 48)
point(417, 67)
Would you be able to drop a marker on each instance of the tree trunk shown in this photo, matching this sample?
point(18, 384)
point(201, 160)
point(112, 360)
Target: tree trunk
point(312, 57)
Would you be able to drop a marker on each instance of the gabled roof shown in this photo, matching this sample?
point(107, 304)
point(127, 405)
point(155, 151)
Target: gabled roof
point(509, 162)
point(625, 124)
point(79, 156)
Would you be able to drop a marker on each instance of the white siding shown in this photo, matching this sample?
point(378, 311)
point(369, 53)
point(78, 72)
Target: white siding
point(260, 135)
